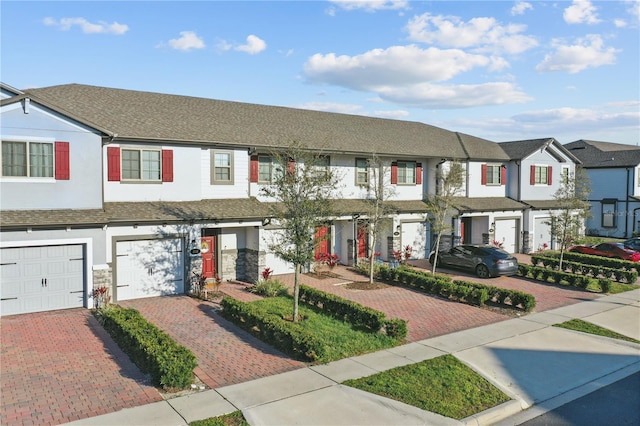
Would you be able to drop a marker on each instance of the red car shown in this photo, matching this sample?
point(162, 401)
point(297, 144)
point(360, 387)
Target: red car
point(614, 250)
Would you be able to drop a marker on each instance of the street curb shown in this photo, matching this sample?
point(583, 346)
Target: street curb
point(495, 414)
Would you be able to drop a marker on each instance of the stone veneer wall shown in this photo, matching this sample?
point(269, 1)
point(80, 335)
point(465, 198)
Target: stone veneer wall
point(101, 278)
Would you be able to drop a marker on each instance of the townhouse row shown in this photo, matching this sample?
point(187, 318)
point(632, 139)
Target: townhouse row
point(138, 191)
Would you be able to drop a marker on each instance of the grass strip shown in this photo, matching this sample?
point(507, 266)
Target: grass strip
point(442, 385)
point(587, 327)
point(232, 419)
point(340, 338)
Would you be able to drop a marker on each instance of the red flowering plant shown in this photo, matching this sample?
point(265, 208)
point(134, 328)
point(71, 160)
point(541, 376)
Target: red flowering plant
point(497, 243)
point(331, 260)
point(266, 273)
point(101, 296)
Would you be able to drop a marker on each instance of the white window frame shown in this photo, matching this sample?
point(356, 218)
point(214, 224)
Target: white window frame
point(141, 165)
point(402, 172)
point(608, 215)
point(362, 172)
point(492, 173)
point(28, 158)
point(214, 179)
point(538, 180)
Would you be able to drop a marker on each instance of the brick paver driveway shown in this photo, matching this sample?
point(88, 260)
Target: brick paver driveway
point(62, 366)
point(226, 354)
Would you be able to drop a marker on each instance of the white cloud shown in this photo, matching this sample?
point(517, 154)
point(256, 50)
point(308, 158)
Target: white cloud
point(101, 27)
point(331, 107)
point(587, 52)
point(483, 34)
point(253, 46)
point(396, 65)
point(428, 95)
point(581, 12)
point(188, 40)
point(371, 5)
point(521, 7)
point(398, 114)
point(619, 23)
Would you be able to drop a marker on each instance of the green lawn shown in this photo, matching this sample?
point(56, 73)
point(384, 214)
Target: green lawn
point(587, 327)
point(232, 419)
point(341, 339)
point(442, 385)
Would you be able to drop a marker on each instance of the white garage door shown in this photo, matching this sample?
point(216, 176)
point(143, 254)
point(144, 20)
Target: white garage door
point(42, 278)
point(415, 234)
point(507, 232)
point(541, 233)
point(148, 268)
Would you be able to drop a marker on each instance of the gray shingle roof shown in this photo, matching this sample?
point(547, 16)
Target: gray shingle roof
point(518, 150)
point(486, 204)
point(53, 218)
point(135, 115)
point(595, 154)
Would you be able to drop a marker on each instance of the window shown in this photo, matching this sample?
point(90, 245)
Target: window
point(540, 175)
point(406, 172)
point(609, 213)
point(362, 171)
point(267, 169)
point(565, 175)
point(221, 167)
point(141, 164)
point(27, 159)
point(138, 165)
point(322, 164)
point(493, 174)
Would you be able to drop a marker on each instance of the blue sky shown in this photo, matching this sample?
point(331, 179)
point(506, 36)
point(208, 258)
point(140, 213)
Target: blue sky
point(500, 70)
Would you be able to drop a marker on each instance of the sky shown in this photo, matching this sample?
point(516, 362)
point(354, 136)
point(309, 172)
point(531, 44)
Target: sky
point(499, 70)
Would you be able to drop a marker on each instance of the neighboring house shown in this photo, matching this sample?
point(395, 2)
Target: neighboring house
point(538, 168)
point(139, 191)
point(614, 172)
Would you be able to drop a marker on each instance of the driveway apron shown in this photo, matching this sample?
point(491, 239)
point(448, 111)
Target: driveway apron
point(61, 366)
point(226, 354)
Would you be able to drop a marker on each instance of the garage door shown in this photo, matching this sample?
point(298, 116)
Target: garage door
point(415, 235)
point(148, 268)
point(507, 232)
point(42, 278)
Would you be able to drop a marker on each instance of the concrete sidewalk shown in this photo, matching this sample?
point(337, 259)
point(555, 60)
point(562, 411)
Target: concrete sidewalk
point(541, 367)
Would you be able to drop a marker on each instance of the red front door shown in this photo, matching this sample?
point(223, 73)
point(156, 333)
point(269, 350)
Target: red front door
point(363, 241)
point(208, 250)
point(323, 240)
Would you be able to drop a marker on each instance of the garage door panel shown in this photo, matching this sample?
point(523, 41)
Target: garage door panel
point(149, 268)
point(41, 278)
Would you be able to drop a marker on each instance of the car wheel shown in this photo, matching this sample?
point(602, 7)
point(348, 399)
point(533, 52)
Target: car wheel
point(482, 271)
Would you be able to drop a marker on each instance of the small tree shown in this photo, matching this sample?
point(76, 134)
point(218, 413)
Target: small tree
point(441, 205)
point(567, 220)
point(378, 209)
point(302, 187)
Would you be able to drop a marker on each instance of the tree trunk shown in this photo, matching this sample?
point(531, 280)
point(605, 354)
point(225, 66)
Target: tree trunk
point(296, 292)
point(435, 255)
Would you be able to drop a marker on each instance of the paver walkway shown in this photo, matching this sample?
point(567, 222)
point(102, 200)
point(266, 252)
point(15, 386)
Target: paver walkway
point(61, 366)
point(226, 354)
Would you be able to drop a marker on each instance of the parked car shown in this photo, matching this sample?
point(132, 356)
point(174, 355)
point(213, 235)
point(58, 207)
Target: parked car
point(609, 249)
point(485, 260)
point(632, 243)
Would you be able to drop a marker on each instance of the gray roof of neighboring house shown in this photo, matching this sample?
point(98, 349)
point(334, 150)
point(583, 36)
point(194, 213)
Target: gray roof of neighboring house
point(595, 154)
point(137, 116)
point(518, 150)
point(52, 218)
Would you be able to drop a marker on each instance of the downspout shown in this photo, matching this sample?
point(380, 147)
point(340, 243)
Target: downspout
point(626, 207)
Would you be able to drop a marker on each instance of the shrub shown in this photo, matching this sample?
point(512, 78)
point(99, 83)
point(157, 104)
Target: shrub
point(154, 352)
point(269, 288)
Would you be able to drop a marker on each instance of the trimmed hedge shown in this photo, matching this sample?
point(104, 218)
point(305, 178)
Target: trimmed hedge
point(169, 364)
point(463, 291)
point(559, 277)
point(283, 335)
point(619, 275)
point(352, 312)
point(607, 262)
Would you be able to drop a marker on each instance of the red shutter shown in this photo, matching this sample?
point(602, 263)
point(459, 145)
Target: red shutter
point(532, 177)
point(483, 174)
point(394, 173)
point(549, 175)
point(503, 175)
point(253, 169)
point(167, 165)
point(418, 173)
point(113, 163)
point(62, 161)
